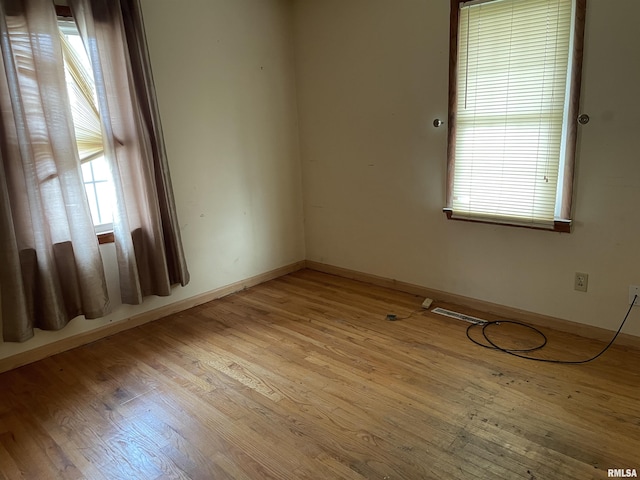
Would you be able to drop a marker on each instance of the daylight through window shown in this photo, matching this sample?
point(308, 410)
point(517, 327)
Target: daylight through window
point(513, 103)
point(86, 119)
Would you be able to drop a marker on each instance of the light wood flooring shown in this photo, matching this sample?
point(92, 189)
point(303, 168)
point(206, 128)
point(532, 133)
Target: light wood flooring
point(304, 378)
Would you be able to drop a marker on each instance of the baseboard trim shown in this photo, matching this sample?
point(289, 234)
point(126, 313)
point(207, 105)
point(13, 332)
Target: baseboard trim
point(44, 351)
point(503, 311)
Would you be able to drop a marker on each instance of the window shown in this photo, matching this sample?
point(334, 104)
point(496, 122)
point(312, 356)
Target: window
point(514, 87)
point(86, 119)
point(52, 267)
point(97, 183)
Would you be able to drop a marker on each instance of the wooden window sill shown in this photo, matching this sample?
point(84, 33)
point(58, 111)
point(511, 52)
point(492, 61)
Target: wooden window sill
point(562, 226)
point(106, 237)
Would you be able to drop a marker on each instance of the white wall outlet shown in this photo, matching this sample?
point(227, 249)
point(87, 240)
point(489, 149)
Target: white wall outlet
point(581, 282)
point(633, 291)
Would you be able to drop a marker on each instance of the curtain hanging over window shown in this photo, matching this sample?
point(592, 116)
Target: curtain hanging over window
point(51, 265)
point(149, 248)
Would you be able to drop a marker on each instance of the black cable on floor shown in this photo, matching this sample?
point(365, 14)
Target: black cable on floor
point(523, 350)
point(518, 353)
point(392, 317)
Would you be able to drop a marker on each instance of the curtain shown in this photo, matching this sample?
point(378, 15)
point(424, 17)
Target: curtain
point(50, 265)
point(146, 231)
point(47, 241)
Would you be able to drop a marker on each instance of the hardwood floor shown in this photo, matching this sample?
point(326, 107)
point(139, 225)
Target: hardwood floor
point(303, 378)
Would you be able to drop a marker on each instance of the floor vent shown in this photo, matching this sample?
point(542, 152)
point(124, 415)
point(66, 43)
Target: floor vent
point(458, 316)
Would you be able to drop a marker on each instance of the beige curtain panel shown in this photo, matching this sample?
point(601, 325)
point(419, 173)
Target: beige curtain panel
point(51, 269)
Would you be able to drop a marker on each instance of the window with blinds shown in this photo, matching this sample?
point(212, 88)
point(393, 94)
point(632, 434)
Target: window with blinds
point(88, 130)
point(514, 90)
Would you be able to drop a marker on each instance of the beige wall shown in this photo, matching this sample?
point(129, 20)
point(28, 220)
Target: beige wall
point(372, 77)
point(225, 80)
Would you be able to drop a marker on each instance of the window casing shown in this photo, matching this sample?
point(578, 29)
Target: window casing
point(514, 85)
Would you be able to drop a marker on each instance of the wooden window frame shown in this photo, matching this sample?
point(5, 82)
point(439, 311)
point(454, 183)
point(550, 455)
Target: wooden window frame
point(562, 224)
point(106, 237)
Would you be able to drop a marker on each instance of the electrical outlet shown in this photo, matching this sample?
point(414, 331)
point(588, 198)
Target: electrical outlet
point(633, 291)
point(581, 282)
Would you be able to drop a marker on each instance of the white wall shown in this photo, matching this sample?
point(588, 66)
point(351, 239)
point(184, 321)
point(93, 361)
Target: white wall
point(225, 80)
point(372, 77)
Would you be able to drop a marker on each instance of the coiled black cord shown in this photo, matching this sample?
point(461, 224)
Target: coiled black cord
point(519, 352)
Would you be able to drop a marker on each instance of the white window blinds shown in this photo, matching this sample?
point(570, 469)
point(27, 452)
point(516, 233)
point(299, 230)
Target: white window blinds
point(82, 94)
point(513, 62)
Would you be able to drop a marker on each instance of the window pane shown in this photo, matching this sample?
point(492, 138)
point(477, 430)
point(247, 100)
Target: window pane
point(87, 174)
point(513, 59)
point(106, 201)
point(100, 169)
point(93, 201)
point(99, 190)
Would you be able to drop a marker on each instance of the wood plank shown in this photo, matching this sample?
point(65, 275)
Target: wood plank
point(303, 378)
